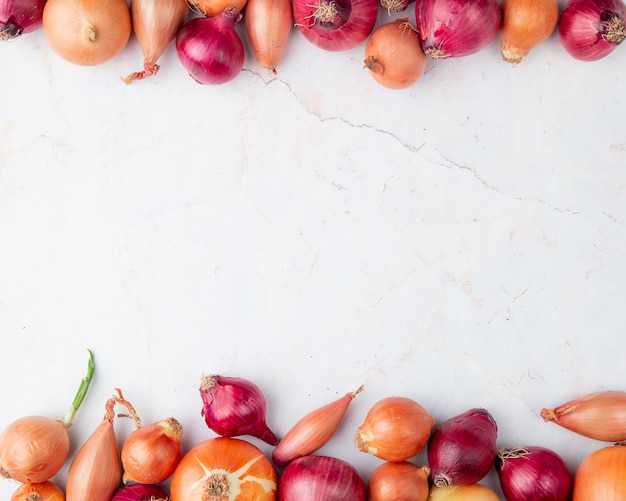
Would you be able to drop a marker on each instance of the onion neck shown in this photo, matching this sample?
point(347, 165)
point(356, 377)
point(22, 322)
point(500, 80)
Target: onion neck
point(216, 487)
point(9, 30)
point(612, 27)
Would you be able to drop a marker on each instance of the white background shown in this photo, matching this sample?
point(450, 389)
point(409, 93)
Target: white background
point(460, 242)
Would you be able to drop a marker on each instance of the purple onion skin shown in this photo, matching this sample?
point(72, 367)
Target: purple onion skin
point(462, 450)
point(140, 492)
point(585, 25)
point(235, 406)
point(19, 16)
point(210, 49)
point(533, 474)
point(320, 478)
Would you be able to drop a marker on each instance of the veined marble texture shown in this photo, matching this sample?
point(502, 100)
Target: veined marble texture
point(461, 242)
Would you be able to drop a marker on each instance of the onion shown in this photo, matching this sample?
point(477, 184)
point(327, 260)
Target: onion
point(34, 448)
point(472, 492)
point(394, 55)
point(462, 450)
point(600, 415)
point(335, 25)
point(394, 429)
point(234, 406)
point(155, 24)
point(317, 478)
point(151, 453)
point(313, 431)
point(210, 49)
point(224, 468)
point(525, 24)
point(42, 491)
point(212, 8)
point(87, 32)
point(19, 16)
point(591, 29)
point(600, 476)
point(395, 5)
point(527, 473)
point(140, 492)
point(268, 24)
point(401, 481)
point(455, 28)
point(96, 470)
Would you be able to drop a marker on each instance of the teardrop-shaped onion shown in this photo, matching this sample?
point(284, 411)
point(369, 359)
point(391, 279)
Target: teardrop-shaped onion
point(155, 23)
point(268, 24)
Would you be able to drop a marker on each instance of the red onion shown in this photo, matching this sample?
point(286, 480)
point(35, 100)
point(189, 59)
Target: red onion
point(528, 473)
point(19, 16)
point(335, 25)
point(210, 49)
point(462, 450)
point(235, 406)
point(591, 29)
point(455, 28)
point(316, 478)
point(140, 492)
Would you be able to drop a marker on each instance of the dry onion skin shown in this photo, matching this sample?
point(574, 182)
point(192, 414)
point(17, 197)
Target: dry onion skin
point(471, 492)
point(398, 481)
point(268, 24)
point(525, 24)
point(394, 55)
point(87, 32)
point(41, 491)
point(601, 476)
point(212, 8)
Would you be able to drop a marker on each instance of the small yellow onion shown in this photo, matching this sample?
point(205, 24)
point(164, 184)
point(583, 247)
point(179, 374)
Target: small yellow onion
point(151, 453)
point(601, 476)
point(212, 8)
point(600, 415)
point(41, 491)
point(399, 481)
point(394, 429)
point(471, 492)
point(525, 24)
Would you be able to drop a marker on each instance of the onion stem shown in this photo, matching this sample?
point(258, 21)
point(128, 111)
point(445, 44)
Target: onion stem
point(82, 391)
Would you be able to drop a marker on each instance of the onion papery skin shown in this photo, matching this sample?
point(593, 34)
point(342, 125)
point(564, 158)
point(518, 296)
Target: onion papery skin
point(317, 478)
point(394, 429)
point(151, 453)
point(41, 491)
point(399, 481)
point(141, 492)
point(225, 468)
point(590, 30)
point(211, 8)
point(601, 476)
point(394, 55)
point(600, 415)
point(533, 473)
point(456, 28)
point(210, 49)
point(335, 25)
point(526, 24)
point(155, 25)
point(313, 430)
point(395, 5)
point(87, 32)
point(234, 406)
point(268, 24)
point(33, 449)
point(18, 17)
point(472, 492)
point(462, 450)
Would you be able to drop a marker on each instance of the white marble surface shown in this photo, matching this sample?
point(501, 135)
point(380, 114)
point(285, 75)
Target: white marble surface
point(460, 242)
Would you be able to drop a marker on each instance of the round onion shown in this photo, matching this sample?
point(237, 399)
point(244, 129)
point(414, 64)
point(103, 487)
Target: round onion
point(600, 476)
point(400, 481)
point(140, 492)
point(335, 25)
point(19, 16)
point(210, 49)
point(316, 478)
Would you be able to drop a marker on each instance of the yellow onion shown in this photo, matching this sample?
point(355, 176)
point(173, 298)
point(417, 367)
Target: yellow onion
point(398, 481)
point(601, 476)
point(600, 415)
point(394, 429)
point(151, 453)
point(470, 492)
point(41, 491)
point(96, 470)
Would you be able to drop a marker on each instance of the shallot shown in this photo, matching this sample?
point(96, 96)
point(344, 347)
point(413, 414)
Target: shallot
point(34, 448)
point(234, 406)
point(462, 450)
point(268, 24)
point(455, 28)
